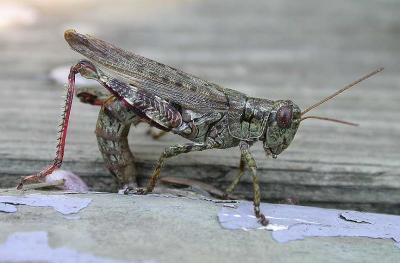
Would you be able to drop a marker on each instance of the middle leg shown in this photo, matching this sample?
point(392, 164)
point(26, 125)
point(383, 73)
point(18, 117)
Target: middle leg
point(229, 190)
point(170, 152)
point(112, 130)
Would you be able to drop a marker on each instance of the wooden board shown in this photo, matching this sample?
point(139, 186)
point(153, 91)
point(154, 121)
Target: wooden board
point(276, 49)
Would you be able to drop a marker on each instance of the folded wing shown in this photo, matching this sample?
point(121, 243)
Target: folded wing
point(166, 82)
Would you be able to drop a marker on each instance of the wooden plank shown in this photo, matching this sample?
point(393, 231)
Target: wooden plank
point(276, 49)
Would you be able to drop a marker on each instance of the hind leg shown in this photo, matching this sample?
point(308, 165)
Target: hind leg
point(112, 129)
point(98, 96)
point(57, 162)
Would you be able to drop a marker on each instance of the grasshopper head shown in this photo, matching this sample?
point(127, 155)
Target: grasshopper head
point(285, 117)
point(283, 122)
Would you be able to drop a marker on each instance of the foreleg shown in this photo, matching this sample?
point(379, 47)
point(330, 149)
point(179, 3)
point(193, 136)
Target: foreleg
point(251, 163)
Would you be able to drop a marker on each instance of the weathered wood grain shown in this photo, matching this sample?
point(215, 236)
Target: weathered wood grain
point(277, 49)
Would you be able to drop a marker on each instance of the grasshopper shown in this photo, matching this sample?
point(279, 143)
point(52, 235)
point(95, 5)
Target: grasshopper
point(208, 115)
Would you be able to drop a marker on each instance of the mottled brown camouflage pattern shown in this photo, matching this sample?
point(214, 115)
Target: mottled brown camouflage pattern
point(205, 113)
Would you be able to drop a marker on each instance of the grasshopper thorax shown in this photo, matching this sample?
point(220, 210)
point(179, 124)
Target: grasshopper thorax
point(282, 125)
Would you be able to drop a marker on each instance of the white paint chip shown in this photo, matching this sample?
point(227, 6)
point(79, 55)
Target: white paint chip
point(291, 222)
point(276, 227)
point(61, 203)
point(34, 247)
point(7, 208)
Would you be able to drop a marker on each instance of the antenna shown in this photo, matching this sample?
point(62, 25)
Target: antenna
point(329, 119)
point(341, 90)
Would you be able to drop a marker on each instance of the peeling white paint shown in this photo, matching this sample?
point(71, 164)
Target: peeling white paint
point(290, 222)
point(276, 227)
point(34, 247)
point(61, 203)
point(293, 219)
point(7, 208)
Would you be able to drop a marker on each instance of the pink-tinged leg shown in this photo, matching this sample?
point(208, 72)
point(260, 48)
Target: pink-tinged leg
point(81, 67)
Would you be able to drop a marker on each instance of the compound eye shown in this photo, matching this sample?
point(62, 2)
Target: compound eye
point(284, 117)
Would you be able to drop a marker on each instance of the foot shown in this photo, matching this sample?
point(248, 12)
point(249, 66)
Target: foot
point(135, 191)
point(260, 216)
point(262, 219)
point(41, 176)
point(31, 179)
point(230, 196)
point(226, 196)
